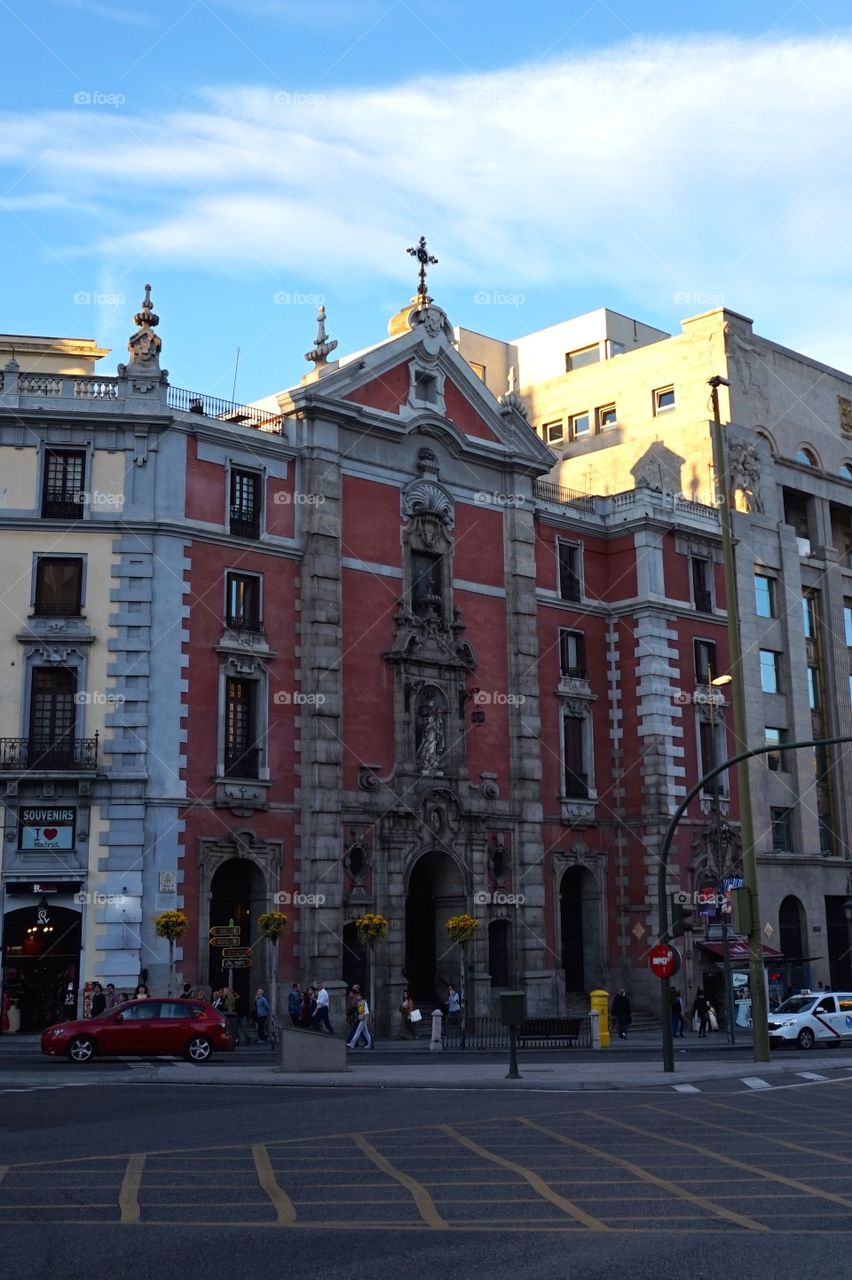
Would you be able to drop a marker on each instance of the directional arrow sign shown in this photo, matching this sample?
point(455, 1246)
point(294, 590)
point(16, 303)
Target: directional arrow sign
point(236, 953)
point(224, 935)
point(236, 964)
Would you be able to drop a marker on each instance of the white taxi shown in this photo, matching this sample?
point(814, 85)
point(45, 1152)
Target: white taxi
point(811, 1017)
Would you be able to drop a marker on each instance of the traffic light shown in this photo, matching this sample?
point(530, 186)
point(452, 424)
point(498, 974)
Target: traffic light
point(683, 912)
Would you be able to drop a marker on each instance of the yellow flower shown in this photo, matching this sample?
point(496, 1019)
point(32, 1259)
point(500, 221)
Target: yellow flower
point(461, 928)
point(272, 924)
point(371, 927)
point(171, 924)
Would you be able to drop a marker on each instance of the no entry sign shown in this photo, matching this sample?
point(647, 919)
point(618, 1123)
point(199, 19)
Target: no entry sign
point(664, 960)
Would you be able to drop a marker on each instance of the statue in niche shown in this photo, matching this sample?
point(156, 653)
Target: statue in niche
point(431, 742)
point(744, 469)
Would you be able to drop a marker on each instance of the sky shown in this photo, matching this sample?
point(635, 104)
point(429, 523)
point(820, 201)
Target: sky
point(254, 158)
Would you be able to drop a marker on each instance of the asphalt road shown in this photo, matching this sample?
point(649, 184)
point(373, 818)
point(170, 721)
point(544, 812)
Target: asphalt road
point(151, 1180)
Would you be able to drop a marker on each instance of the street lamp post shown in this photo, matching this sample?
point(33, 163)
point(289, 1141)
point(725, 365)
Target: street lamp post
point(718, 683)
point(759, 1007)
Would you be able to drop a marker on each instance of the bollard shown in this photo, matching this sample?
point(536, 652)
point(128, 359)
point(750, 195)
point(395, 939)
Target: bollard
point(436, 1045)
point(595, 1019)
point(600, 1004)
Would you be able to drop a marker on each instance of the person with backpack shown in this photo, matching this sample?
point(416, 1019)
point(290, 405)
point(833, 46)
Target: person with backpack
point(362, 1029)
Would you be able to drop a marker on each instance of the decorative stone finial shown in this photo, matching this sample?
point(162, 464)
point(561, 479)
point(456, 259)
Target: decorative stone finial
point(511, 401)
point(144, 345)
point(322, 348)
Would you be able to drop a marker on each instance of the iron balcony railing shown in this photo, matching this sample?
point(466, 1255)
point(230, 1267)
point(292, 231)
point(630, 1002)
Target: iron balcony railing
point(549, 492)
point(242, 763)
point(62, 504)
point(245, 522)
point(703, 601)
point(576, 785)
point(535, 1033)
point(244, 622)
point(65, 755)
point(225, 410)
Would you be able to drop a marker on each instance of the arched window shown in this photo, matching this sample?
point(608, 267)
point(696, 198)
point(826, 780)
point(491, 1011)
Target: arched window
point(846, 470)
point(807, 457)
point(790, 920)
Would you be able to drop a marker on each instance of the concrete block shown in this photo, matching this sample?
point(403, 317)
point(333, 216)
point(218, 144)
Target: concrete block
point(312, 1051)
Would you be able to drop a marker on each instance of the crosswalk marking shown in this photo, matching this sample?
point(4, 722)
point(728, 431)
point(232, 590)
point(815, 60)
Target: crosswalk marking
point(755, 1082)
point(811, 1075)
point(686, 1088)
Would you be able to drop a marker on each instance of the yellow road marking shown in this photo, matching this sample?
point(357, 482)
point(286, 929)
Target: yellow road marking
point(779, 1142)
point(425, 1204)
point(128, 1196)
point(285, 1212)
point(646, 1176)
point(538, 1184)
point(731, 1161)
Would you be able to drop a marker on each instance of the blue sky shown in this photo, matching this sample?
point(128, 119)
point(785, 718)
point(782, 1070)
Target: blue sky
point(253, 157)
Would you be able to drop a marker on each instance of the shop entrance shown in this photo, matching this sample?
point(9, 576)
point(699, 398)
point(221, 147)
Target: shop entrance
point(41, 955)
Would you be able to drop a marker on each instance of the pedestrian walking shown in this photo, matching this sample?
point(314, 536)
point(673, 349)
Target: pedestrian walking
point(309, 1007)
point(321, 1015)
point(701, 1011)
point(98, 1004)
point(409, 1031)
point(217, 1000)
point(261, 1013)
point(362, 1029)
point(677, 1013)
point(453, 1007)
point(112, 996)
point(352, 1000)
point(294, 1004)
point(186, 994)
point(621, 1013)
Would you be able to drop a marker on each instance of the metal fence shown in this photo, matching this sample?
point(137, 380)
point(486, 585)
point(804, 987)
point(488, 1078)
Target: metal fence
point(535, 1033)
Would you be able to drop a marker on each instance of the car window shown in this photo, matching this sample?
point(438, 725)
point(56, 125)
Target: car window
point(198, 1011)
point(143, 1010)
point(826, 1005)
point(173, 1009)
point(796, 1004)
point(845, 1003)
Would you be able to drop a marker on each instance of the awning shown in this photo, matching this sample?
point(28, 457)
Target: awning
point(738, 952)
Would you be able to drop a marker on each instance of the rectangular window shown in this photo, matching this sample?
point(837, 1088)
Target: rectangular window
point(775, 760)
point(572, 654)
point(814, 701)
point(664, 399)
point(614, 348)
point(553, 432)
point(770, 671)
point(582, 356)
point(426, 592)
point(704, 652)
point(606, 417)
point(569, 570)
point(63, 492)
point(764, 596)
point(782, 835)
point(59, 586)
point(707, 752)
point(478, 369)
point(576, 781)
point(809, 618)
point(242, 757)
point(52, 718)
point(580, 425)
point(245, 504)
point(847, 623)
point(702, 584)
point(243, 601)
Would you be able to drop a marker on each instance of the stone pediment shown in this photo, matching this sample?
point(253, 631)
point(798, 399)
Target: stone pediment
point(430, 641)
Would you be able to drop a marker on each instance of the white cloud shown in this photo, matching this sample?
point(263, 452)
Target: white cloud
point(698, 167)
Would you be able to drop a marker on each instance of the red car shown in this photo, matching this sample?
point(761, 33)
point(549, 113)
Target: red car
point(192, 1028)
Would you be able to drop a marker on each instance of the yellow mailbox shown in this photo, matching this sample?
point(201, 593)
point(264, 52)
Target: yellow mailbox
point(600, 1005)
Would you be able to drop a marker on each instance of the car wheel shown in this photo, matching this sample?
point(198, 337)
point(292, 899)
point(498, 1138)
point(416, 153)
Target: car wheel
point(806, 1038)
point(82, 1049)
point(199, 1049)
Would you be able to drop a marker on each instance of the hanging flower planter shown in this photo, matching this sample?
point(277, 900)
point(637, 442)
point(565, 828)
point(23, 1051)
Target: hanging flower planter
point(171, 924)
point(461, 928)
point(372, 928)
point(272, 924)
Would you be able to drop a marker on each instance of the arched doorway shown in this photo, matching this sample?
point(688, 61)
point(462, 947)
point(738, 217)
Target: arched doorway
point(435, 892)
point(498, 953)
point(582, 942)
point(238, 894)
point(791, 929)
point(354, 958)
point(41, 955)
